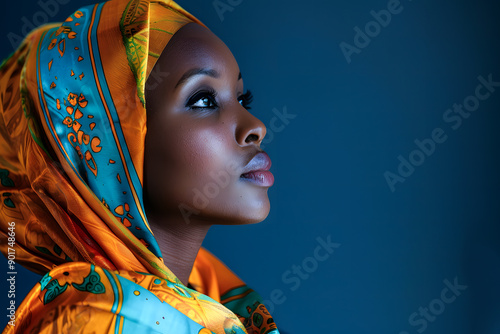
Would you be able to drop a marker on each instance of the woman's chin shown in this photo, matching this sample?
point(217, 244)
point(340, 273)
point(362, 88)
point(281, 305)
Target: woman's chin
point(244, 216)
point(256, 216)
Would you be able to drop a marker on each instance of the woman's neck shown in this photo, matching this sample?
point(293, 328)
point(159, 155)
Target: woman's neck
point(179, 243)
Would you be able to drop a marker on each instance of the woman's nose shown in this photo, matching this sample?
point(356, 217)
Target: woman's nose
point(249, 129)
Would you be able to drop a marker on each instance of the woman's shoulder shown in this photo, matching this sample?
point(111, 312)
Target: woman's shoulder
point(81, 297)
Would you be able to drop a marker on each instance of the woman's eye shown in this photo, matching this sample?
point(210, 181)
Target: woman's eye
point(246, 99)
point(202, 100)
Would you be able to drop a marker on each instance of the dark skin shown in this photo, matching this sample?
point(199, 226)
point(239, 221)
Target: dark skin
point(193, 135)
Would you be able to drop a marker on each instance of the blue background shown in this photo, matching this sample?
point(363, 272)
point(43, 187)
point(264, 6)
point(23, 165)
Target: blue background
point(352, 121)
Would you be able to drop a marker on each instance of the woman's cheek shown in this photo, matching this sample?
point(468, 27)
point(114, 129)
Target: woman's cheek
point(210, 150)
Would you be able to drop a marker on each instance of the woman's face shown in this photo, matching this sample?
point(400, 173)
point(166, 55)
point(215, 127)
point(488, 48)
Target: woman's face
point(200, 138)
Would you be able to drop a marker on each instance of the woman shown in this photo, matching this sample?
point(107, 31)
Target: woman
point(125, 136)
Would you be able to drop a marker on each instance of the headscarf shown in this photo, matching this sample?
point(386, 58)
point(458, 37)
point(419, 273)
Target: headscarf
point(72, 133)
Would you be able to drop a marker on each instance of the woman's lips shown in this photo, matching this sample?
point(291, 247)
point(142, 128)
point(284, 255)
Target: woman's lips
point(257, 170)
point(261, 177)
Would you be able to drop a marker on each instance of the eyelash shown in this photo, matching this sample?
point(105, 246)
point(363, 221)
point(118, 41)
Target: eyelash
point(246, 99)
point(211, 94)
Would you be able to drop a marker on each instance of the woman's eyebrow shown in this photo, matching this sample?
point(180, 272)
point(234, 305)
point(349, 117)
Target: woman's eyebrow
point(197, 71)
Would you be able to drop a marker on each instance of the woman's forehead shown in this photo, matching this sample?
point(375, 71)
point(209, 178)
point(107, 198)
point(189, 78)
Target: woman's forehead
point(195, 46)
